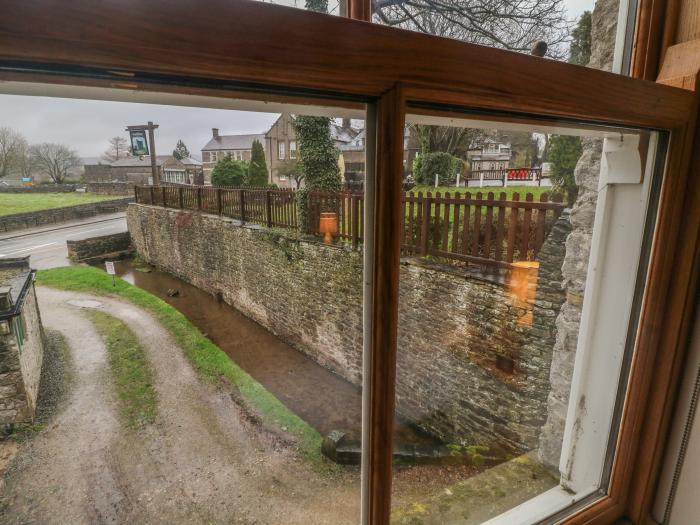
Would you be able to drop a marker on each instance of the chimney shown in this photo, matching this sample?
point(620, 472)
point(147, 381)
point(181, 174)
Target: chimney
point(215, 133)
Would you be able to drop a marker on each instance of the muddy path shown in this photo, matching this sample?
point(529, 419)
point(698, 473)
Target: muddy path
point(203, 461)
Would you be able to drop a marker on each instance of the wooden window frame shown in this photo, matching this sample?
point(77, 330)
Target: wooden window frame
point(46, 41)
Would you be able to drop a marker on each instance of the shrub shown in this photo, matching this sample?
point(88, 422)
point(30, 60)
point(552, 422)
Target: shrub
point(229, 172)
point(257, 170)
point(439, 163)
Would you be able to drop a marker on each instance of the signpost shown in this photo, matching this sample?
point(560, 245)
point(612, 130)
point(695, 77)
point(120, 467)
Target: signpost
point(140, 146)
point(109, 266)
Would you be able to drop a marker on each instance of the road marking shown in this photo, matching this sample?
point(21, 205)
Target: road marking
point(27, 249)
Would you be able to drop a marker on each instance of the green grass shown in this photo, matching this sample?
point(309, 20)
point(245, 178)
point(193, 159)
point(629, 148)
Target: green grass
point(131, 371)
point(207, 358)
point(11, 203)
point(497, 190)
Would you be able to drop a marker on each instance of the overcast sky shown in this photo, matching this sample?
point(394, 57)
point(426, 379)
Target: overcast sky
point(87, 125)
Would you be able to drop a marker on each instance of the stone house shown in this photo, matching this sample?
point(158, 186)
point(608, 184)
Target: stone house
point(21, 342)
point(281, 148)
point(239, 147)
point(137, 170)
point(490, 155)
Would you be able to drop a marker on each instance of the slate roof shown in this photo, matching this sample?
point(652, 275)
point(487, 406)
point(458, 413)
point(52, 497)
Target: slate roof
point(145, 161)
point(233, 142)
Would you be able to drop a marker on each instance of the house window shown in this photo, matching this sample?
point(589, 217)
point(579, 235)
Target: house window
point(292, 149)
point(19, 330)
point(281, 150)
point(175, 176)
point(213, 156)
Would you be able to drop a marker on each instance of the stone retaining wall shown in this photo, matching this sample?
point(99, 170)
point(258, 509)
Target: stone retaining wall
point(111, 188)
point(21, 221)
point(453, 326)
point(20, 368)
point(97, 249)
point(40, 188)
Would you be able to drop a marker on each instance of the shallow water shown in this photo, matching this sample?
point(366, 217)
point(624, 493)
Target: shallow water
point(318, 396)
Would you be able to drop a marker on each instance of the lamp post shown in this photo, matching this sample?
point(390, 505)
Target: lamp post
point(140, 147)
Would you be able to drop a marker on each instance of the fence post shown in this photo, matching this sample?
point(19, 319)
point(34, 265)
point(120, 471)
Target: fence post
point(163, 192)
point(199, 199)
point(242, 204)
point(355, 220)
point(153, 200)
point(136, 193)
point(180, 197)
point(218, 200)
point(425, 223)
point(268, 208)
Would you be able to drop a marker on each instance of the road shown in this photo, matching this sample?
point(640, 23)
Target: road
point(47, 245)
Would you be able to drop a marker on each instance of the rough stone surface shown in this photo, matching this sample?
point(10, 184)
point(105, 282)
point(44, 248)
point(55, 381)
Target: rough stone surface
point(96, 248)
point(19, 221)
point(452, 326)
point(111, 188)
point(20, 367)
point(40, 188)
point(578, 246)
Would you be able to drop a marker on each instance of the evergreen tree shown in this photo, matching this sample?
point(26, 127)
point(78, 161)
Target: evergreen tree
point(257, 171)
point(318, 160)
point(580, 50)
point(320, 6)
point(181, 152)
point(230, 173)
point(563, 152)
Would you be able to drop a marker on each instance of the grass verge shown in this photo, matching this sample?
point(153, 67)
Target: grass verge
point(11, 203)
point(207, 358)
point(131, 371)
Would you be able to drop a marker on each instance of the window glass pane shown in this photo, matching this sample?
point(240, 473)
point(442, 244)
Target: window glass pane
point(256, 372)
point(333, 7)
point(521, 249)
point(578, 31)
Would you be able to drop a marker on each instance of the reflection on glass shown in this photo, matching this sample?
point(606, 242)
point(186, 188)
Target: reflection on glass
point(500, 224)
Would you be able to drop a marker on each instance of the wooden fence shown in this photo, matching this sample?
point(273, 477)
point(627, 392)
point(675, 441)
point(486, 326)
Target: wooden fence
point(476, 228)
point(506, 175)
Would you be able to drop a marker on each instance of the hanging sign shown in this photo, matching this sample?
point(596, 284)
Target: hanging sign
point(139, 144)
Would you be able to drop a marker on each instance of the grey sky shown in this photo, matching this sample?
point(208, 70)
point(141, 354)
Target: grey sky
point(87, 125)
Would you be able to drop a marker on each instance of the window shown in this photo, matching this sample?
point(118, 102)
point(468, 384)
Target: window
point(213, 156)
point(627, 236)
point(281, 150)
point(175, 176)
point(293, 149)
point(19, 329)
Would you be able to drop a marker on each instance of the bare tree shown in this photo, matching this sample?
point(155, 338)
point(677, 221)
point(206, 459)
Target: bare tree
point(507, 24)
point(11, 144)
point(452, 140)
point(54, 160)
point(118, 149)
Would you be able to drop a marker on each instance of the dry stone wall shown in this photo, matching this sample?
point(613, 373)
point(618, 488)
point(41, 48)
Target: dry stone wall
point(454, 328)
point(20, 367)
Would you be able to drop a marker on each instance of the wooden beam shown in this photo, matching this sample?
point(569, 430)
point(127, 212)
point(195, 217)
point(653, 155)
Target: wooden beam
point(311, 51)
point(388, 210)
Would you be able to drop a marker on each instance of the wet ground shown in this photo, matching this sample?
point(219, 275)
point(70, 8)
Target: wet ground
point(318, 396)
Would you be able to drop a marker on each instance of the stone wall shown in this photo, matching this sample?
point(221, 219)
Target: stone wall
point(21, 221)
point(456, 330)
point(111, 188)
point(40, 188)
point(578, 247)
point(20, 369)
point(97, 249)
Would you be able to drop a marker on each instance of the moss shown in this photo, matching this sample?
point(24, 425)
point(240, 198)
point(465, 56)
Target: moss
point(208, 360)
point(130, 370)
